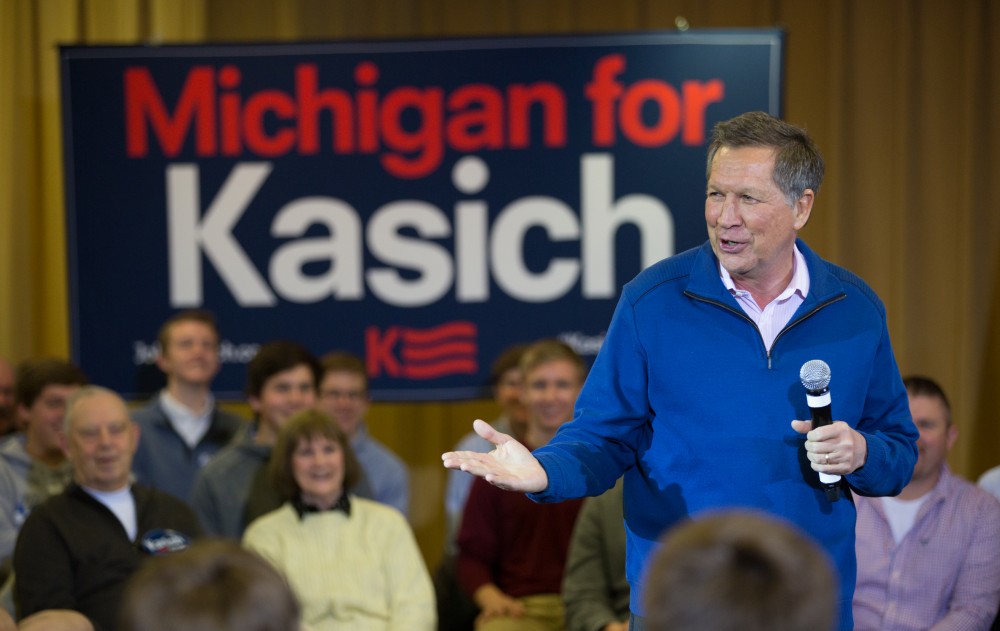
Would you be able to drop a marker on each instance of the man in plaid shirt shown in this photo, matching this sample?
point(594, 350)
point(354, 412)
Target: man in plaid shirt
point(930, 557)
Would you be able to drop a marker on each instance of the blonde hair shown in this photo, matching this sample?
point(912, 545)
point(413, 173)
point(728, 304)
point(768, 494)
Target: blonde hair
point(549, 350)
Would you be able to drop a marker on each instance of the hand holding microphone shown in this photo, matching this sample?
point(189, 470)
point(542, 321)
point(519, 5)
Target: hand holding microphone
point(815, 377)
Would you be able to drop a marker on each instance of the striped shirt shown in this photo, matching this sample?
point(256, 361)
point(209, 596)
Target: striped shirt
point(944, 574)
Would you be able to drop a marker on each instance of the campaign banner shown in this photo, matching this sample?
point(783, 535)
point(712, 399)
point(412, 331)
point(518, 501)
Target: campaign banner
point(423, 204)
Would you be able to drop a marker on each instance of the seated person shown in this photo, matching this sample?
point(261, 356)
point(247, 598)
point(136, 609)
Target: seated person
point(344, 397)
point(182, 427)
point(990, 482)
point(8, 411)
point(739, 571)
point(505, 382)
point(595, 589)
point(456, 611)
point(352, 562)
point(33, 464)
point(42, 388)
point(212, 586)
point(929, 557)
point(77, 549)
point(234, 488)
point(511, 550)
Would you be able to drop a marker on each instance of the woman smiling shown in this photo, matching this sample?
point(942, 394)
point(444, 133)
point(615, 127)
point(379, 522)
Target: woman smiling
point(353, 563)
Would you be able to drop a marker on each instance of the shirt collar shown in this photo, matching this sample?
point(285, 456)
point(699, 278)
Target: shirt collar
point(302, 509)
point(177, 410)
point(799, 283)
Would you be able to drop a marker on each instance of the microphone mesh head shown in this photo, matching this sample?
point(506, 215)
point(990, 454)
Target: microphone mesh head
point(815, 375)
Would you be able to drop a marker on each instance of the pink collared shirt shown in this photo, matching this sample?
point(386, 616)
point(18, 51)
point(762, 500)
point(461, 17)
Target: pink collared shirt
point(776, 314)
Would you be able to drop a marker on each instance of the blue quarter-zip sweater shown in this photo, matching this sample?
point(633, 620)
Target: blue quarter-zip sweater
point(685, 400)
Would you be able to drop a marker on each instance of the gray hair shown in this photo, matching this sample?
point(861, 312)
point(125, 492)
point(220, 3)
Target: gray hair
point(798, 164)
point(85, 392)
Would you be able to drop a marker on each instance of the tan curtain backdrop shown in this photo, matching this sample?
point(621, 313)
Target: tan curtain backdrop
point(902, 95)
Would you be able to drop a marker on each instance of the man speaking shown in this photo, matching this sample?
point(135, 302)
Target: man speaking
point(695, 393)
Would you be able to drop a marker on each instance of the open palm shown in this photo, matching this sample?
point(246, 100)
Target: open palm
point(509, 466)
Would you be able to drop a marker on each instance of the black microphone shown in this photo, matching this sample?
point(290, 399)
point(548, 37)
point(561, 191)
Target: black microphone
point(815, 377)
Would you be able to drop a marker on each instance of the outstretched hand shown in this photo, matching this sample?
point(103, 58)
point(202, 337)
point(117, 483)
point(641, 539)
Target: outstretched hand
point(509, 466)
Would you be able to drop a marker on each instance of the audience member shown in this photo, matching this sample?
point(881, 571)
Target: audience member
point(212, 586)
point(739, 571)
point(182, 427)
point(14, 508)
point(353, 562)
point(990, 482)
point(34, 465)
point(929, 558)
point(595, 589)
point(8, 412)
point(42, 388)
point(77, 549)
point(233, 488)
point(505, 383)
point(343, 395)
point(456, 610)
point(512, 551)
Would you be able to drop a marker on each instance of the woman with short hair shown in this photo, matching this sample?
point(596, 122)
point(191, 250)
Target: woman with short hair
point(353, 563)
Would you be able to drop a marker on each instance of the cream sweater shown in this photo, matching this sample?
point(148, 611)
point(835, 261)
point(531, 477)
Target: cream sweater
point(362, 572)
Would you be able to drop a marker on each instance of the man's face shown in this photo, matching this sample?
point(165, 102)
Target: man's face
point(751, 227)
point(507, 394)
point(101, 442)
point(46, 416)
point(284, 394)
point(191, 354)
point(342, 395)
point(936, 436)
point(550, 392)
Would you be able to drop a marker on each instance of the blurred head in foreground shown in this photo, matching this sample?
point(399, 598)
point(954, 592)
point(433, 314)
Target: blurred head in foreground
point(214, 585)
point(739, 571)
